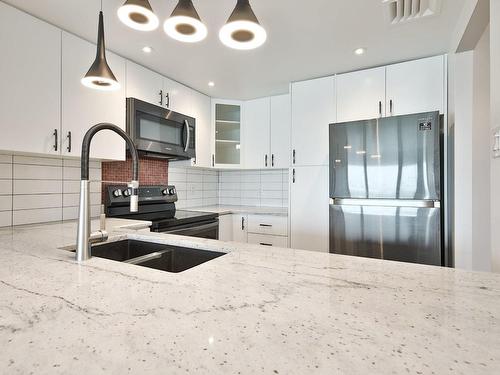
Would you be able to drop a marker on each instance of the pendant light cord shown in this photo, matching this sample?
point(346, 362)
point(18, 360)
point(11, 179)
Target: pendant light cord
point(101, 5)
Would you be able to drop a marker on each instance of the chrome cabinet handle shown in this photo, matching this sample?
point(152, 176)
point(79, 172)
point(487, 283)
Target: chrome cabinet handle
point(161, 97)
point(266, 244)
point(69, 141)
point(293, 175)
point(265, 162)
point(390, 106)
point(293, 156)
point(265, 225)
point(380, 108)
point(213, 160)
point(272, 160)
point(242, 223)
point(56, 141)
point(167, 100)
point(186, 123)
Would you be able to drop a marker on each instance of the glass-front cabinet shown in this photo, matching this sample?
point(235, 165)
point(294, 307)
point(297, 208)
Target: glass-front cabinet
point(227, 117)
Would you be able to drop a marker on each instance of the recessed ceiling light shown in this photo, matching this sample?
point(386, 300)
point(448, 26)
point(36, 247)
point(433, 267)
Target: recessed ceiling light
point(147, 49)
point(211, 84)
point(360, 51)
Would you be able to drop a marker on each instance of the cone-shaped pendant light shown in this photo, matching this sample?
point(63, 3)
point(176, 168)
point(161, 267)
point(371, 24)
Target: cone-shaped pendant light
point(138, 15)
point(242, 30)
point(184, 24)
point(100, 76)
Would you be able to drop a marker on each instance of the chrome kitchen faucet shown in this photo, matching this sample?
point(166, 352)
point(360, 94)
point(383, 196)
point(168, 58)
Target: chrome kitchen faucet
point(84, 238)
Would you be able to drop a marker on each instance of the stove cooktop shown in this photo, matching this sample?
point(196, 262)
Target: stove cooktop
point(172, 218)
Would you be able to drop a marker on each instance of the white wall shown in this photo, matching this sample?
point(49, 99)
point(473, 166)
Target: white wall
point(471, 99)
point(495, 122)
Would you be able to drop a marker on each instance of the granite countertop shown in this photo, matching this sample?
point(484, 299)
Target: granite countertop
point(228, 209)
point(253, 310)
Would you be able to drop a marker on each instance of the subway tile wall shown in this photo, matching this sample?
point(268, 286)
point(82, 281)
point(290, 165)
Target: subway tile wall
point(195, 187)
point(37, 189)
point(254, 188)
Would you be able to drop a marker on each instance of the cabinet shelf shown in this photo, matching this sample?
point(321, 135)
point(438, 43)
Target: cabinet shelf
point(228, 122)
point(226, 141)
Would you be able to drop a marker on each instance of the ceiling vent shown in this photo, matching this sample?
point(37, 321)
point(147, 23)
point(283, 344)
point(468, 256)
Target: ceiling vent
point(402, 11)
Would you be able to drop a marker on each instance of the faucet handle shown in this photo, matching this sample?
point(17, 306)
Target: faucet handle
point(134, 196)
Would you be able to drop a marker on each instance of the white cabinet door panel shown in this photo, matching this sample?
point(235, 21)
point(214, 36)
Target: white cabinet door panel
point(309, 208)
point(201, 111)
point(313, 109)
point(240, 228)
point(281, 122)
point(416, 86)
point(144, 84)
point(256, 134)
point(267, 240)
point(30, 92)
point(226, 227)
point(83, 107)
point(361, 95)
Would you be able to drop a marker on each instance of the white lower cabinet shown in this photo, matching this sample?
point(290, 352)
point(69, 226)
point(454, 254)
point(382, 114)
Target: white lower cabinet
point(83, 107)
point(267, 240)
point(226, 227)
point(309, 208)
point(240, 228)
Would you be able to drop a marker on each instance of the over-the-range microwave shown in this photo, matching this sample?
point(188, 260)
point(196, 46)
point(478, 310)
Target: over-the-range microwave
point(160, 132)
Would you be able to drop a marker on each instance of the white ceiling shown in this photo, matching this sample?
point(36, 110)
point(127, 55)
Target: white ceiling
point(306, 39)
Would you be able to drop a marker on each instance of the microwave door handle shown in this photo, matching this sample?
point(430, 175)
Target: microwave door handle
point(186, 123)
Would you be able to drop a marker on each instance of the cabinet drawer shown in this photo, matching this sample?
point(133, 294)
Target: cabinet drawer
point(268, 224)
point(267, 240)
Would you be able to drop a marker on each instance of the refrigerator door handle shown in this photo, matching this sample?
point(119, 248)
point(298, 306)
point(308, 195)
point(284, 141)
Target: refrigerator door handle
point(385, 202)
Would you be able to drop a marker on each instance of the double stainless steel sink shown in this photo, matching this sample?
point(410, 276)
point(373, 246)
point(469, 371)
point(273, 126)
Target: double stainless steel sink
point(154, 255)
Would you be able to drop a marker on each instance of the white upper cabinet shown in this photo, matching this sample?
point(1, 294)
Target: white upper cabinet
point(83, 107)
point(227, 117)
point(144, 84)
point(361, 95)
point(256, 134)
point(416, 86)
point(309, 211)
point(201, 111)
point(178, 97)
point(30, 92)
point(313, 109)
point(281, 123)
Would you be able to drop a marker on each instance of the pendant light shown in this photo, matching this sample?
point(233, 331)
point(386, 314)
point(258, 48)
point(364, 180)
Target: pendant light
point(184, 24)
point(138, 15)
point(242, 30)
point(100, 76)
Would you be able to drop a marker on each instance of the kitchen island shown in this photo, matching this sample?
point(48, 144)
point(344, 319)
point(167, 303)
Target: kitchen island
point(254, 310)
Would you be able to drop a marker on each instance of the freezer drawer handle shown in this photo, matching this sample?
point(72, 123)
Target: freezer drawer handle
point(385, 203)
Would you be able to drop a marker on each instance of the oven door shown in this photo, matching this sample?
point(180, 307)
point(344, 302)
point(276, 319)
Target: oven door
point(205, 229)
point(160, 131)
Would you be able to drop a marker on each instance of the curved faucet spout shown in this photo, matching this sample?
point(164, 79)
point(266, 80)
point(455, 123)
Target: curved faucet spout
point(84, 238)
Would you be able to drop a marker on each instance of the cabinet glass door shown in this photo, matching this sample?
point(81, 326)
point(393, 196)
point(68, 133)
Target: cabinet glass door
point(227, 134)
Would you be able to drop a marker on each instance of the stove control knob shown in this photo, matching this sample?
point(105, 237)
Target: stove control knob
point(117, 193)
point(164, 192)
point(171, 191)
point(126, 193)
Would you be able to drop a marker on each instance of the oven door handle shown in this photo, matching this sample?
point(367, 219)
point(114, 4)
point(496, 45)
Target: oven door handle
point(188, 138)
point(194, 228)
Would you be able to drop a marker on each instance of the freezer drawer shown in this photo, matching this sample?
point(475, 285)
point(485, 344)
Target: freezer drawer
point(407, 234)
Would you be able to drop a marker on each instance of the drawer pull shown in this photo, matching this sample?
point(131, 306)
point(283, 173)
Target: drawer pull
point(265, 225)
point(266, 244)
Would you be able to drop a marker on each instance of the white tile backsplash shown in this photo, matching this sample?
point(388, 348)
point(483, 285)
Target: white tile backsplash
point(198, 187)
point(37, 189)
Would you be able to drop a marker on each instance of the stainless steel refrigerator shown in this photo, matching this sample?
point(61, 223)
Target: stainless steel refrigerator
point(386, 188)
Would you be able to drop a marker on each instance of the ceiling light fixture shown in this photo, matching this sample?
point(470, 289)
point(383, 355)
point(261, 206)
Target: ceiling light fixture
point(360, 51)
point(138, 15)
point(147, 49)
point(211, 84)
point(100, 76)
point(242, 30)
point(184, 24)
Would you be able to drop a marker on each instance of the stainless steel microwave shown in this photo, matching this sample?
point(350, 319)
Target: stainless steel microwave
point(160, 132)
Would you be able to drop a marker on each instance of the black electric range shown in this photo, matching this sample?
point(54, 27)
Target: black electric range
point(157, 204)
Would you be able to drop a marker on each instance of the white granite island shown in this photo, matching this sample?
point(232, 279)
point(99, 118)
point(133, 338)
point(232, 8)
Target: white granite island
point(254, 310)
